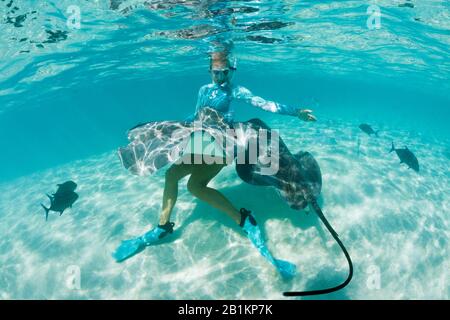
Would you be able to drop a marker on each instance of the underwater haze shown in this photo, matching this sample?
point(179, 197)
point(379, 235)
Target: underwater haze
point(76, 75)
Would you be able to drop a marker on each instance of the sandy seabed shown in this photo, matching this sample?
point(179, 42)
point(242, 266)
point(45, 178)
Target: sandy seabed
point(394, 222)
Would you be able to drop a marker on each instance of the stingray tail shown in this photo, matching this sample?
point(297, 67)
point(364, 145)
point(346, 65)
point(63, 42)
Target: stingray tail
point(393, 147)
point(46, 211)
point(319, 212)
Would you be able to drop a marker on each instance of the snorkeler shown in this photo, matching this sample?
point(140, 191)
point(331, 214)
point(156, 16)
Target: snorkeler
point(216, 96)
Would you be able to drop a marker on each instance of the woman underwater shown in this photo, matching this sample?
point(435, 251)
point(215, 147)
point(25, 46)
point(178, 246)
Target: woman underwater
point(218, 96)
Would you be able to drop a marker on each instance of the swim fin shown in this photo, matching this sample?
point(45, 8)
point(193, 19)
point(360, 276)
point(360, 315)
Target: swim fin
point(131, 247)
point(285, 268)
point(128, 248)
point(251, 228)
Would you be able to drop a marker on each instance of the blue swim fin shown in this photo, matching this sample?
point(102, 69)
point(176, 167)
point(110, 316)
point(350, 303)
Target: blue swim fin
point(285, 268)
point(131, 247)
point(251, 228)
point(128, 248)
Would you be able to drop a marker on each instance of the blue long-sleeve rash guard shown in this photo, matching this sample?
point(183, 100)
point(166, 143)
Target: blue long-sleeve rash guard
point(219, 97)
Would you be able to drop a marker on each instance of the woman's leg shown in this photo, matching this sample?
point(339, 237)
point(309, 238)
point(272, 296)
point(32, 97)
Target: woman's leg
point(197, 185)
point(174, 174)
point(130, 247)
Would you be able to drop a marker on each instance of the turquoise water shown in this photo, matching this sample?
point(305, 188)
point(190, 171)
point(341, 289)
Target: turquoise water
point(68, 96)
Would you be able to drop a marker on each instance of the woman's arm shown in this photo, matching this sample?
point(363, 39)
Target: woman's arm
point(200, 97)
point(199, 103)
point(246, 95)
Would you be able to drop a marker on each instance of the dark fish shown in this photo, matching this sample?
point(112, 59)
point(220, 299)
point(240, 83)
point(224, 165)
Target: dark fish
point(66, 187)
point(62, 199)
point(368, 129)
point(407, 157)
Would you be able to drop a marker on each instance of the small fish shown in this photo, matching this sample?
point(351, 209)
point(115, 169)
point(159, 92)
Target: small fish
point(62, 199)
point(407, 157)
point(368, 129)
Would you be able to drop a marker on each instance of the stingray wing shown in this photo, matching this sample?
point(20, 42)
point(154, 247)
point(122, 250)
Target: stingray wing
point(251, 172)
point(154, 145)
point(298, 174)
point(310, 172)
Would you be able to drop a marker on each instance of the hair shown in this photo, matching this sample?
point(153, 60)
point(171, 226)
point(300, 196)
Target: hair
point(219, 56)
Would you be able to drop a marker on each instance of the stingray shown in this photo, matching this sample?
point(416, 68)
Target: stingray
point(298, 178)
point(299, 181)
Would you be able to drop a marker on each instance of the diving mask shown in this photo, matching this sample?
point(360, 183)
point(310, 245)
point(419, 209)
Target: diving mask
point(223, 75)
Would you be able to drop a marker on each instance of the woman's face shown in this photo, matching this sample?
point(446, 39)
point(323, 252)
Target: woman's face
point(220, 72)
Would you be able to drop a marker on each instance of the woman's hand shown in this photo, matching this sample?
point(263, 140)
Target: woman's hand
point(306, 115)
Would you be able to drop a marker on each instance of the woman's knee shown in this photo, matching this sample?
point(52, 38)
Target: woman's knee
point(201, 176)
point(195, 187)
point(175, 173)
